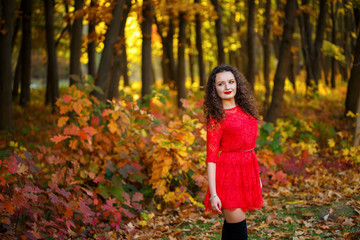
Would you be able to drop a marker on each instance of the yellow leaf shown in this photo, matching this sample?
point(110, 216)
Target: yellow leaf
point(113, 127)
point(331, 142)
point(62, 121)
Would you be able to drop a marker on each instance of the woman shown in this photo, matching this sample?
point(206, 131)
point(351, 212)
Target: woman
point(234, 179)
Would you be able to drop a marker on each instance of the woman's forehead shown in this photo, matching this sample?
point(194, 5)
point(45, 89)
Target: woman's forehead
point(224, 76)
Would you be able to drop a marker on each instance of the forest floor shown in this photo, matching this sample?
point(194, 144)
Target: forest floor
point(326, 205)
point(322, 201)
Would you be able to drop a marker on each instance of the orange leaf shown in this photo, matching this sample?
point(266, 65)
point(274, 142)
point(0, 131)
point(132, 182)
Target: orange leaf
point(62, 121)
point(73, 144)
point(82, 135)
point(90, 131)
point(113, 127)
point(67, 98)
point(59, 138)
point(77, 107)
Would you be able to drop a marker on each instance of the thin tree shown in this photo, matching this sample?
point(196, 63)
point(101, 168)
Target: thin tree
point(52, 84)
point(26, 52)
point(353, 87)
point(111, 36)
point(119, 58)
point(283, 65)
point(266, 46)
point(7, 16)
point(75, 44)
point(181, 59)
point(320, 29)
point(333, 39)
point(146, 64)
point(199, 48)
point(92, 41)
point(219, 28)
point(251, 44)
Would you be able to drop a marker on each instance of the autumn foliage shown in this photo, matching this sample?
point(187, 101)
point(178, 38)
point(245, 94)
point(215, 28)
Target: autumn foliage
point(111, 162)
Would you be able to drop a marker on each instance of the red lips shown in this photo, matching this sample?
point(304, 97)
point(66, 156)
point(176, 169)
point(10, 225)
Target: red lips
point(229, 92)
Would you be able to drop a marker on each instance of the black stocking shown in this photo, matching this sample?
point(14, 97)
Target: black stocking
point(234, 231)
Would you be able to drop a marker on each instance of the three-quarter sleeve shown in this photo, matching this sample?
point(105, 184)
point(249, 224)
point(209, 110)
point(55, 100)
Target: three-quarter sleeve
point(214, 132)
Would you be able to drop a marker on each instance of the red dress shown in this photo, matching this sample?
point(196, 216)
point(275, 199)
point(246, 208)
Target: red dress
point(237, 168)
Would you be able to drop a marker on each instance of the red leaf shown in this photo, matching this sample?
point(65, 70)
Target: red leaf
point(127, 213)
point(67, 98)
point(54, 199)
point(59, 138)
point(95, 121)
point(137, 197)
point(99, 180)
point(85, 209)
point(70, 223)
point(63, 193)
point(12, 165)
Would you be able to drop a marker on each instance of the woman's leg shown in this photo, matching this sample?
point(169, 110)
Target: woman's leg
point(234, 225)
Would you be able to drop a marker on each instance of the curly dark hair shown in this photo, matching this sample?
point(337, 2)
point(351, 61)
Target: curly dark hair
point(213, 107)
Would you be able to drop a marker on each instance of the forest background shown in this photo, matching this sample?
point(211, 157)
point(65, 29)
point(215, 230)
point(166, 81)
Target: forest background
point(102, 130)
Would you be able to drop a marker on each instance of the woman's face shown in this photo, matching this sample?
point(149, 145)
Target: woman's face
point(225, 84)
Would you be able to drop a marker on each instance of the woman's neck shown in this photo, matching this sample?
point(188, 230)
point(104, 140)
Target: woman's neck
point(228, 103)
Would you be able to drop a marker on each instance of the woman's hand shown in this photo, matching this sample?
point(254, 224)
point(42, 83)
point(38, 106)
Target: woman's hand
point(216, 204)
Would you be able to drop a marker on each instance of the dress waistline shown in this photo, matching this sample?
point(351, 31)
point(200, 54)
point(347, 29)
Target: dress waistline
point(240, 151)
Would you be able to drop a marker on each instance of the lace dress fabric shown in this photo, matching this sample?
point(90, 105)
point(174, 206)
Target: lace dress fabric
point(237, 168)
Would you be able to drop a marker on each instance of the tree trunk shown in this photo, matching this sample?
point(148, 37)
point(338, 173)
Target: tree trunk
point(357, 126)
point(92, 43)
point(146, 64)
point(333, 39)
point(181, 59)
point(16, 30)
point(26, 52)
point(52, 85)
point(266, 45)
point(190, 55)
point(106, 57)
point(75, 44)
point(306, 42)
point(168, 60)
point(7, 16)
point(17, 77)
point(283, 65)
point(219, 27)
point(353, 87)
point(200, 49)
point(119, 59)
point(320, 29)
point(251, 44)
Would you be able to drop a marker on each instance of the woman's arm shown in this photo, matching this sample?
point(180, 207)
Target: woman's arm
point(215, 201)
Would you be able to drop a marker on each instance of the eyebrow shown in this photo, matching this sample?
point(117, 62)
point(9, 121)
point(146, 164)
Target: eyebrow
point(225, 80)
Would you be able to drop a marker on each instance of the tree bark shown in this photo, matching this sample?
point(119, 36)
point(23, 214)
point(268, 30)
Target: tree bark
point(219, 27)
point(26, 52)
point(320, 29)
point(353, 87)
point(52, 85)
point(17, 77)
point(146, 64)
point(357, 126)
point(168, 61)
point(284, 60)
point(266, 46)
point(92, 43)
point(306, 42)
point(181, 59)
point(75, 44)
point(190, 55)
point(333, 39)
point(200, 49)
point(105, 62)
point(251, 44)
point(120, 60)
point(7, 15)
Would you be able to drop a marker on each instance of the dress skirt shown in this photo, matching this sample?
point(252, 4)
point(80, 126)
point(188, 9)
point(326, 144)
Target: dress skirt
point(237, 181)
